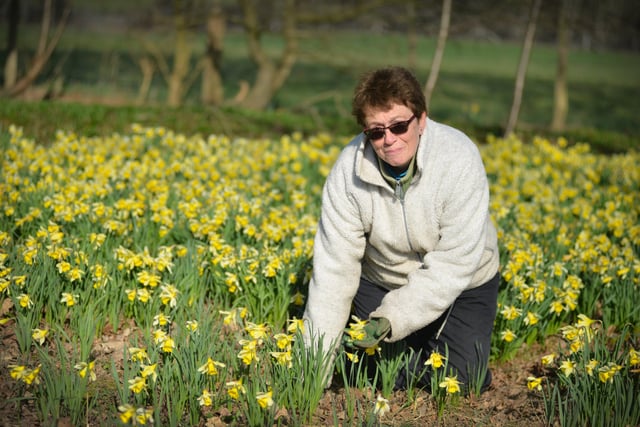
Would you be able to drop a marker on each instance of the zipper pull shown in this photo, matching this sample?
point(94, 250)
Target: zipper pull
point(399, 191)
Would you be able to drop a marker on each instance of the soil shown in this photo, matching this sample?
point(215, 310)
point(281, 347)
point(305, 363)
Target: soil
point(507, 402)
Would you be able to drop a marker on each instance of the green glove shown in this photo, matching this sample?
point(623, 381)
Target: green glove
point(375, 331)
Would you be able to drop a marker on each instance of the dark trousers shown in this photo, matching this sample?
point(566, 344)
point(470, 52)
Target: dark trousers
point(463, 331)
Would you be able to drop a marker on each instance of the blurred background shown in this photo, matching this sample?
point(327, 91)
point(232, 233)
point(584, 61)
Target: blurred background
point(568, 67)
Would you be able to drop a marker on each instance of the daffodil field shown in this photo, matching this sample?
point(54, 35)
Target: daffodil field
point(195, 251)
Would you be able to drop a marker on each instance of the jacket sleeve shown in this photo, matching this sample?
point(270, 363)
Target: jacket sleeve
point(449, 268)
point(338, 249)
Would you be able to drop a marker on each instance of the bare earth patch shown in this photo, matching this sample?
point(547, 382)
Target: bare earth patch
point(508, 402)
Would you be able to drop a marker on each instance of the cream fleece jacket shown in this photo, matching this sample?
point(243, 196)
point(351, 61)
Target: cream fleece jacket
point(426, 248)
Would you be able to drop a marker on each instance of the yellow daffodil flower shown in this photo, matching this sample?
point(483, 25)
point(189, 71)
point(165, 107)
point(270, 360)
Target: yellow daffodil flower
point(283, 341)
point(192, 325)
point(534, 383)
point(567, 367)
point(235, 388)
point(84, 368)
point(25, 301)
point(295, 325)
point(144, 416)
point(606, 373)
point(137, 384)
point(206, 398)
point(508, 335)
point(589, 367)
point(169, 295)
point(161, 320)
point(210, 367)
point(69, 299)
point(381, 406)
point(126, 412)
point(168, 345)
point(548, 359)
point(257, 331)
point(283, 357)
point(149, 371)
point(265, 400)
point(39, 335)
point(451, 384)
point(435, 360)
point(138, 354)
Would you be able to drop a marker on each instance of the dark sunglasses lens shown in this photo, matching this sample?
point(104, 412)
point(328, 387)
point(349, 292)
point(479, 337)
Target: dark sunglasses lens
point(399, 128)
point(374, 134)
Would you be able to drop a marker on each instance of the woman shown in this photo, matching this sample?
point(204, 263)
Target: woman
point(405, 236)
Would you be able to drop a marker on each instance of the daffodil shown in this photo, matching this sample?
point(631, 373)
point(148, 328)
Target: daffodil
point(567, 367)
point(451, 384)
point(127, 412)
point(256, 331)
point(206, 398)
point(606, 373)
point(283, 341)
point(548, 359)
point(25, 301)
point(507, 335)
point(634, 357)
point(169, 295)
point(298, 299)
point(159, 336)
point(534, 383)
point(18, 371)
point(69, 299)
point(295, 325)
point(511, 312)
point(531, 318)
point(265, 400)
point(143, 295)
point(589, 367)
point(210, 367)
point(235, 388)
point(168, 345)
point(85, 369)
point(161, 320)
point(138, 354)
point(31, 376)
point(137, 384)
point(144, 416)
point(149, 371)
point(283, 357)
point(39, 335)
point(192, 325)
point(381, 406)
point(435, 360)
point(249, 351)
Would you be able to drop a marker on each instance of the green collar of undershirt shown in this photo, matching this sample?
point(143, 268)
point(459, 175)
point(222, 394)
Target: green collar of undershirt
point(393, 179)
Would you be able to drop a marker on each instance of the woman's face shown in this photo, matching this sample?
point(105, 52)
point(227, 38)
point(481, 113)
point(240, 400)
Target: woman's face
point(396, 150)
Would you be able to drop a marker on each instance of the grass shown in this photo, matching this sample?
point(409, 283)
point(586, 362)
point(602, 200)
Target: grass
point(474, 90)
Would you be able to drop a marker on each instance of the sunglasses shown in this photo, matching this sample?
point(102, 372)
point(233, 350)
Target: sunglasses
point(397, 129)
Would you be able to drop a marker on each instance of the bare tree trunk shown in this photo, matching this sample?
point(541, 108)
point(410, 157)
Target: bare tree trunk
point(43, 53)
point(561, 92)
point(270, 76)
point(181, 56)
point(522, 67)
point(147, 68)
point(445, 19)
point(212, 91)
point(412, 35)
point(11, 64)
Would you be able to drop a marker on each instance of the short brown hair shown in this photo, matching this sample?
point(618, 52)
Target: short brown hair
point(380, 89)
